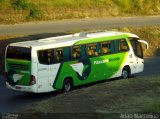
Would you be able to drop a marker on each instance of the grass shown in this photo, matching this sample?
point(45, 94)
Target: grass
point(136, 95)
point(23, 10)
point(7, 37)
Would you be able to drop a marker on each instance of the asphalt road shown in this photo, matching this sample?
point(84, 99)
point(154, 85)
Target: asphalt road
point(11, 100)
point(77, 25)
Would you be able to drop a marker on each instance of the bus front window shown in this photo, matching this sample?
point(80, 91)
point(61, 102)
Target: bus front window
point(137, 47)
point(139, 50)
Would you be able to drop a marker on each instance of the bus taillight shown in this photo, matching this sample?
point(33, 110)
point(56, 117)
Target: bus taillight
point(32, 80)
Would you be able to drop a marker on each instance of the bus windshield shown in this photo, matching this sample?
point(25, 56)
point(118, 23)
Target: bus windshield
point(21, 53)
point(137, 47)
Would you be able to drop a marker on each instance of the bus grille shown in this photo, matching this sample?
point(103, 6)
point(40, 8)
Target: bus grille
point(19, 66)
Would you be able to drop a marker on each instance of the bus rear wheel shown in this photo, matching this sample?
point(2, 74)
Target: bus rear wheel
point(67, 85)
point(125, 73)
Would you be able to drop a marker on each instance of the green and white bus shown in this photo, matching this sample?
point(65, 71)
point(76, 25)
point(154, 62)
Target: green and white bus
point(63, 62)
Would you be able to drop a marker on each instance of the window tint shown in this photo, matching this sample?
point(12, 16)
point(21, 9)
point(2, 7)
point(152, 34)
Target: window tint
point(92, 50)
point(21, 53)
point(59, 55)
point(139, 50)
point(112, 47)
point(67, 54)
point(137, 47)
point(76, 52)
point(121, 45)
point(46, 56)
point(51, 56)
point(83, 50)
point(133, 43)
point(106, 47)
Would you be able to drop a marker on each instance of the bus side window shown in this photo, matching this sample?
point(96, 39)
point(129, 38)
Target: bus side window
point(83, 51)
point(50, 56)
point(91, 50)
point(67, 53)
point(59, 55)
point(106, 46)
point(117, 46)
point(46, 56)
point(98, 49)
point(123, 46)
point(76, 52)
point(41, 57)
point(112, 47)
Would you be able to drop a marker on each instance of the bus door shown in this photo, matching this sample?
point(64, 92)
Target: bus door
point(139, 54)
point(136, 56)
point(133, 56)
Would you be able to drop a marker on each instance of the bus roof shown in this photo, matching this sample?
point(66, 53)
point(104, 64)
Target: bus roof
point(75, 39)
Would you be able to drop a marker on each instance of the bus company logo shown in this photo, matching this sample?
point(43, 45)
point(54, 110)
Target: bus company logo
point(101, 61)
point(106, 60)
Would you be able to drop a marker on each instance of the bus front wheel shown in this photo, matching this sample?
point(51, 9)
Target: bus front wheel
point(67, 85)
point(125, 73)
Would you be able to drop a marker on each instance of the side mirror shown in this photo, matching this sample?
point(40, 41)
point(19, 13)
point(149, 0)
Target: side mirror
point(145, 42)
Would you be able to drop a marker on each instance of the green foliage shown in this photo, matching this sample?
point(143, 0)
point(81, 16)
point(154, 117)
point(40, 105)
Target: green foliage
point(2, 0)
point(69, 3)
point(34, 14)
point(138, 6)
point(128, 6)
point(80, 3)
point(34, 11)
point(20, 4)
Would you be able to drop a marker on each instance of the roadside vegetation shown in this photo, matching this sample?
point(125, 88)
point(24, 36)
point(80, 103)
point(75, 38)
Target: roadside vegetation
point(134, 95)
point(18, 11)
point(7, 37)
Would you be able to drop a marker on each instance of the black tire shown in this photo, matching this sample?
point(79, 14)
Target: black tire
point(67, 86)
point(125, 73)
